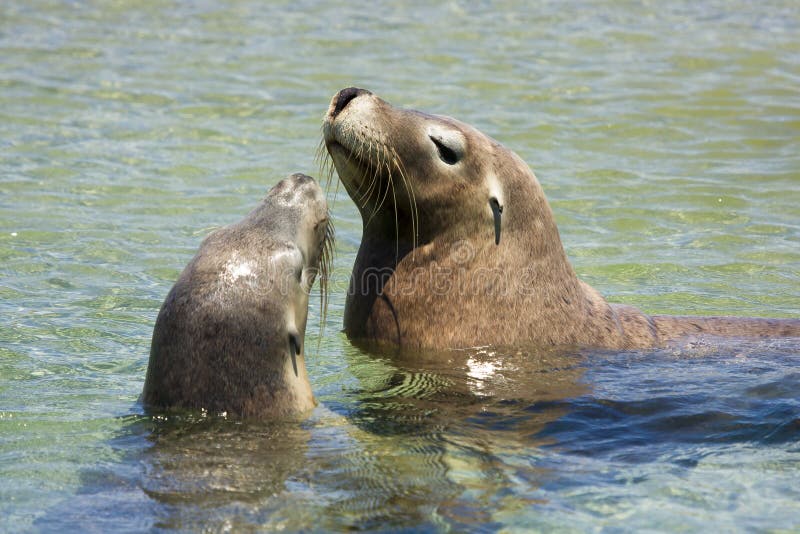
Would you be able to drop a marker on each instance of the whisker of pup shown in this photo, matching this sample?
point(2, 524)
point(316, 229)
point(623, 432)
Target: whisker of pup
point(326, 169)
point(324, 270)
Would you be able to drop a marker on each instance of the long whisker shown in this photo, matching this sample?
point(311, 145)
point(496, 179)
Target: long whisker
point(396, 222)
point(326, 169)
point(375, 158)
point(380, 165)
point(412, 199)
point(374, 179)
point(363, 197)
point(325, 268)
point(320, 158)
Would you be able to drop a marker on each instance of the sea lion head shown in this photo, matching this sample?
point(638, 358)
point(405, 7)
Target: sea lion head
point(455, 228)
point(230, 334)
point(295, 213)
point(416, 177)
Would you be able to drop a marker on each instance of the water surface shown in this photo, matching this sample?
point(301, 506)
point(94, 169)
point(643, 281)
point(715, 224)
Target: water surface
point(667, 138)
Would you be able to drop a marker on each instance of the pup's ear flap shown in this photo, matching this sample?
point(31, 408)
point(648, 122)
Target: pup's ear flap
point(294, 349)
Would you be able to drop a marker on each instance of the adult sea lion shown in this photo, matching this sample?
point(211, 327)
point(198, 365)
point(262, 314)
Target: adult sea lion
point(460, 247)
point(229, 336)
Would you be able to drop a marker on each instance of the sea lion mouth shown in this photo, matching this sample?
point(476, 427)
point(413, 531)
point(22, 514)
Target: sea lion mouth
point(355, 145)
point(366, 162)
point(369, 169)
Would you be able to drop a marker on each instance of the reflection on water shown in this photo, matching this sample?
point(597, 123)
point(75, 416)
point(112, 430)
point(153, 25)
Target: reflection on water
point(475, 439)
point(473, 387)
point(409, 448)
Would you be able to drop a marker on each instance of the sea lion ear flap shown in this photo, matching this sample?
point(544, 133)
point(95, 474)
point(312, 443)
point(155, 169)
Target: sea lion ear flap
point(496, 204)
point(497, 211)
point(294, 349)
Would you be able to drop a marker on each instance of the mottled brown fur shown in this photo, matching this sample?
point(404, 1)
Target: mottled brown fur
point(437, 220)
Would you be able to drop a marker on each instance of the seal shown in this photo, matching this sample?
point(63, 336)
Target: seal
point(460, 247)
point(229, 336)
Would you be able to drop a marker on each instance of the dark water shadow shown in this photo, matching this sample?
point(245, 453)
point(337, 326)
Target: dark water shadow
point(522, 419)
point(680, 404)
point(110, 497)
point(438, 441)
point(465, 413)
point(423, 391)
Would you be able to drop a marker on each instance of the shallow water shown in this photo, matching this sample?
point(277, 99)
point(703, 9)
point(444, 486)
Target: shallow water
point(666, 137)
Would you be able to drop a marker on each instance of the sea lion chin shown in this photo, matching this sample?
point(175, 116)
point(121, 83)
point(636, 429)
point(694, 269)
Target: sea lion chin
point(460, 247)
point(230, 334)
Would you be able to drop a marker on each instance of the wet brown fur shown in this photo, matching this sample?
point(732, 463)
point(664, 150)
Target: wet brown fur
point(522, 290)
point(221, 341)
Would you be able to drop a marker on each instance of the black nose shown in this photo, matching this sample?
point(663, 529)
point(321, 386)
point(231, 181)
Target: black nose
point(346, 96)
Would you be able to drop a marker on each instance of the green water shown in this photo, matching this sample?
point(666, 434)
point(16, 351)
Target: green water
point(666, 136)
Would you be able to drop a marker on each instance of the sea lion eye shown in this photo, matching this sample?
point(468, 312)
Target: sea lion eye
point(446, 154)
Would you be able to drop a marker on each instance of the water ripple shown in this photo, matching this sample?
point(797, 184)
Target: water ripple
point(665, 136)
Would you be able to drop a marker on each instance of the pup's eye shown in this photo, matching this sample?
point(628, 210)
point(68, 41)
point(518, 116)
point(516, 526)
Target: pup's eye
point(447, 154)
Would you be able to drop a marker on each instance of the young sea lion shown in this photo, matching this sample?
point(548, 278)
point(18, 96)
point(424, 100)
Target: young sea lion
point(229, 336)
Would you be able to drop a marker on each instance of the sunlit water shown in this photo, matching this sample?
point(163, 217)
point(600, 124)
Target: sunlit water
point(666, 135)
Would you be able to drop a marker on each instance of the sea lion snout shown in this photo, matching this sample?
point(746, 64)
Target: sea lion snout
point(344, 97)
point(298, 189)
point(296, 181)
point(308, 186)
point(300, 178)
